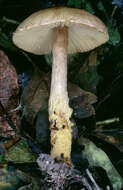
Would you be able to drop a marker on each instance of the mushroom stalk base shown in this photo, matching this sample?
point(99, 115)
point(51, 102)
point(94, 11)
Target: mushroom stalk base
point(59, 110)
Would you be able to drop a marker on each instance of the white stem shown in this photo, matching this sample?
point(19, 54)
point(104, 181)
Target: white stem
point(59, 66)
point(59, 110)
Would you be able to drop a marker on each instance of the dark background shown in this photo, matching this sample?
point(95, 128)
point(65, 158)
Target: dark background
point(110, 69)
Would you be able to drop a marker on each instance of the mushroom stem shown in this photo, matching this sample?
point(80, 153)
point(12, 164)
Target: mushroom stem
point(59, 110)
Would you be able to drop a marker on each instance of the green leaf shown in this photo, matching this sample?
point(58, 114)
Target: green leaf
point(100, 6)
point(89, 8)
point(2, 153)
point(20, 152)
point(10, 21)
point(5, 42)
point(98, 62)
point(114, 35)
point(75, 3)
point(81, 4)
point(9, 179)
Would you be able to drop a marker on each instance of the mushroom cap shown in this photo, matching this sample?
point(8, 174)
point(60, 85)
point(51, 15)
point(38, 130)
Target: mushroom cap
point(85, 31)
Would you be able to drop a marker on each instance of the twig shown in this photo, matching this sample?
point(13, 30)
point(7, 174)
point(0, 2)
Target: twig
point(85, 182)
point(114, 10)
point(108, 121)
point(29, 59)
point(109, 93)
point(10, 21)
point(19, 107)
point(92, 179)
point(10, 122)
point(103, 100)
point(116, 131)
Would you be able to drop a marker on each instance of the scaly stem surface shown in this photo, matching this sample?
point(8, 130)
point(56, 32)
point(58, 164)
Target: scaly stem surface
point(59, 110)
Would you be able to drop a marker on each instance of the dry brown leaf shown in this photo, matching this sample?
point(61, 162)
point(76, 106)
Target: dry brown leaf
point(8, 95)
point(88, 75)
point(36, 94)
point(116, 140)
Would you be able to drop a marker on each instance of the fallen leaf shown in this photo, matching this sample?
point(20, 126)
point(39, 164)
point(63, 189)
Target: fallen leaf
point(116, 140)
point(97, 157)
point(88, 76)
point(8, 95)
point(36, 94)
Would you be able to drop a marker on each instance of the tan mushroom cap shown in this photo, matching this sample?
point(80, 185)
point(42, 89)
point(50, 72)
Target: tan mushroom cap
point(85, 31)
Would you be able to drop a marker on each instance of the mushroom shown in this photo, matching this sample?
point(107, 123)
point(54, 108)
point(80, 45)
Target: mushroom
point(60, 30)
